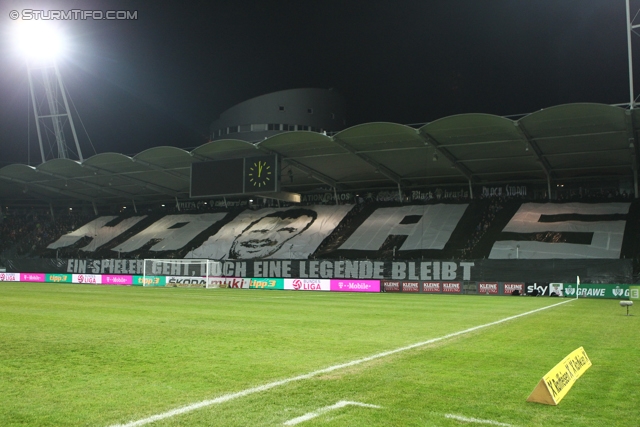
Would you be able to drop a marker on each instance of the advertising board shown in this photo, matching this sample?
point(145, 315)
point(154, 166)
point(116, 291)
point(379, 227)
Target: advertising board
point(259, 283)
point(307, 284)
point(185, 282)
point(348, 285)
point(119, 280)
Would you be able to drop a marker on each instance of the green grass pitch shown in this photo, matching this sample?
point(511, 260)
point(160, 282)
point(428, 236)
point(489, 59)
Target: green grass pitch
point(82, 355)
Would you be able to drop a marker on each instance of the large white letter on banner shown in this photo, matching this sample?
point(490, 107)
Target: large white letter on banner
point(97, 230)
point(607, 235)
point(430, 227)
point(171, 239)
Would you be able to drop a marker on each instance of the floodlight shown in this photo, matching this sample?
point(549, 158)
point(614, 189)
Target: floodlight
point(38, 40)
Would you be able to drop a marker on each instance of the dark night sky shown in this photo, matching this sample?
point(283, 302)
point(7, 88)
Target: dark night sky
point(162, 79)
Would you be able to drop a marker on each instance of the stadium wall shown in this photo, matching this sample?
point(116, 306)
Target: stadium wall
point(616, 291)
point(484, 270)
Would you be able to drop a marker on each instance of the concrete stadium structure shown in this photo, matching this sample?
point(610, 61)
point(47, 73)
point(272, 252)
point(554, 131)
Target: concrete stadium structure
point(309, 109)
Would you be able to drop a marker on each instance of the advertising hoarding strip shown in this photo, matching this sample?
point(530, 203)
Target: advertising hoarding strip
point(232, 396)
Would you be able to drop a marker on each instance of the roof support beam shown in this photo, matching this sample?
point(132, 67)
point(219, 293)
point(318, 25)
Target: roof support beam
point(158, 168)
point(379, 167)
point(534, 146)
point(138, 181)
point(88, 184)
point(429, 139)
point(633, 146)
point(67, 193)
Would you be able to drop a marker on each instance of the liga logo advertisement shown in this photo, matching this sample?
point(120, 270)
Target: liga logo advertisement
point(307, 284)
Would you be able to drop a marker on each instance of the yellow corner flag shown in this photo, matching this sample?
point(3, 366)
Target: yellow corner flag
point(559, 380)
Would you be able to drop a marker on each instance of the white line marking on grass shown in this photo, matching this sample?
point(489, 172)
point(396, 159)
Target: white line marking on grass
point(341, 404)
point(475, 420)
point(249, 391)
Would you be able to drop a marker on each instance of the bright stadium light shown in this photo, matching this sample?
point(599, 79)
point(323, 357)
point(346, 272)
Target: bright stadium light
point(42, 43)
point(38, 40)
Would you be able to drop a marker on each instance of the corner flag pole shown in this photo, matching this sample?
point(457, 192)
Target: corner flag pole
point(577, 286)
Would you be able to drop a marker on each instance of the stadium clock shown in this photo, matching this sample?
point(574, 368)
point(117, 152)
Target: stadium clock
point(261, 174)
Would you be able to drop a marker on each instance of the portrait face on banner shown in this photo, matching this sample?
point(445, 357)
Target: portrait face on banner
point(267, 235)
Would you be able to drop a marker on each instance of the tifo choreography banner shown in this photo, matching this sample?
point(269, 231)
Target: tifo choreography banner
point(579, 230)
point(549, 271)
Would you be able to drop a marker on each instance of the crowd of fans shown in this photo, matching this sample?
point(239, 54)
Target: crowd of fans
point(599, 194)
point(27, 233)
point(486, 219)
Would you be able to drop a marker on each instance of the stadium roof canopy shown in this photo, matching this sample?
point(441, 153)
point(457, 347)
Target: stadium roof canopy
point(554, 145)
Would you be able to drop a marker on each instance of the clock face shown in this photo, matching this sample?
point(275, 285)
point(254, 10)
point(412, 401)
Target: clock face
point(260, 174)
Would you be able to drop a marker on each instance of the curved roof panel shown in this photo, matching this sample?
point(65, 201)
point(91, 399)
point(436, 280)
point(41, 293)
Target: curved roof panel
point(580, 141)
point(224, 149)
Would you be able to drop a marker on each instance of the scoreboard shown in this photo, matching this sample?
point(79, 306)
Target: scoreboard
point(249, 175)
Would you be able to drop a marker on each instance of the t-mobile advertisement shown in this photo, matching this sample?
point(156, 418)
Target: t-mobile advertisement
point(32, 277)
point(111, 279)
point(355, 285)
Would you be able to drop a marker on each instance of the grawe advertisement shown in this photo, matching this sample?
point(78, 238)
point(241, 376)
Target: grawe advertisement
point(596, 291)
point(307, 284)
point(355, 285)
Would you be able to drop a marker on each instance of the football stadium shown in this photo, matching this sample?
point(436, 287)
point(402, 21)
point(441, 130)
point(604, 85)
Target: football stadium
point(474, 270)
